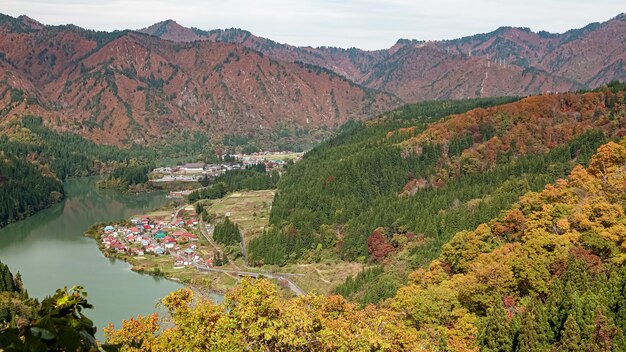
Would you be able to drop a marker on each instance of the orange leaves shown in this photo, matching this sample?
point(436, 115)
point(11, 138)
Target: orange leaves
point(255, 318)
point(532, 125)
point(581, 179)
point(178, 299)
point(608, 157)
point(511, 227)
point(136, 334)
point(582, 218)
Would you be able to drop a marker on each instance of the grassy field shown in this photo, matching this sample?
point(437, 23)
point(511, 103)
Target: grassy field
point(250, 210)
point(319, 277)
point(276, 156)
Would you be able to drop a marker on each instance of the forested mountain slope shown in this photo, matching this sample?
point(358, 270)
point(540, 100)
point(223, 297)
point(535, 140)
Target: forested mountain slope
point(394, 191)
point(34, 160)
point(548, 274)
point(126, 87)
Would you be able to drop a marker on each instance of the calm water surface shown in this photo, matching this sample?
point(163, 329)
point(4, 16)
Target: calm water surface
point(50, 252)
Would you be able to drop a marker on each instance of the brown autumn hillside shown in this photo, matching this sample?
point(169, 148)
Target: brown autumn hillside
point(507, 61)
point(533, 125)
point(126, 87)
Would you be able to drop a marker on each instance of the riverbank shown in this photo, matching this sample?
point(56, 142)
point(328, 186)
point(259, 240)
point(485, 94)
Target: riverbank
point(175, 244)
point(164, 243)
point(50, 251)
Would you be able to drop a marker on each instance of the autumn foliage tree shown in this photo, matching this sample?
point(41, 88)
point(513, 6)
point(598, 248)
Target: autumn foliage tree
point(253, 317)
point(378, 245)
point(558, 284)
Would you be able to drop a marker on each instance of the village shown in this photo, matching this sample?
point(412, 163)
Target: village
point(158, 237)
point(175, 242)
point(192, 172)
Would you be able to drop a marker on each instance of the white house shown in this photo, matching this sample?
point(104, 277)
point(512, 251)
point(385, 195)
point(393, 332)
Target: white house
point(193, 168)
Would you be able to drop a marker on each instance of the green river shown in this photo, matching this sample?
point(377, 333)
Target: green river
point(50, 252)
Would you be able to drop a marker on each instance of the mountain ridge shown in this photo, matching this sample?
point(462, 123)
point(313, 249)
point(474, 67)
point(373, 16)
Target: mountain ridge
point(126, 87)
point(542, 61)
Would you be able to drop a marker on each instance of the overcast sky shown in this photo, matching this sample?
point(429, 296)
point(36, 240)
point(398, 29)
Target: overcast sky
point(367, 24)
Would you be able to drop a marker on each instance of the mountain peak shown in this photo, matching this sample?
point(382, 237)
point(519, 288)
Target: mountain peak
point(171, 30)
point(31, 23)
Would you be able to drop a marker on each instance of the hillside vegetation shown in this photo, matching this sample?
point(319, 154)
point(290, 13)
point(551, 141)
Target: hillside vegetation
point(548, 274)
point(34, 160)
point(395, 190)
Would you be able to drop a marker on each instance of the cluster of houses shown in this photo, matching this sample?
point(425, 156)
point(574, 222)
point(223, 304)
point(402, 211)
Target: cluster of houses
point(270, 159)
point(197, 169)
point(192, 171)
point(159, 238)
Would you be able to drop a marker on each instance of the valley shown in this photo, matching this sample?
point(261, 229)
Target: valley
point(465, 194)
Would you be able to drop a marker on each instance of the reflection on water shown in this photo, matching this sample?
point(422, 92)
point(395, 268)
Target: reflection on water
point(50, 252)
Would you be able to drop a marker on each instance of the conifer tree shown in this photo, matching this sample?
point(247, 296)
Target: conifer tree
point(571, 336)
point(495, 334)
point(534, 329)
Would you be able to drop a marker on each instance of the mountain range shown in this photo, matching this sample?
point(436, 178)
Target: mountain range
point(136, 87)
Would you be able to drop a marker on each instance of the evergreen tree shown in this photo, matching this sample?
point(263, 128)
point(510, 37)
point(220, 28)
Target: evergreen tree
point(495, 334)
point(227, 232)
point(534, 332)
point(7, 282)
point(571, 336)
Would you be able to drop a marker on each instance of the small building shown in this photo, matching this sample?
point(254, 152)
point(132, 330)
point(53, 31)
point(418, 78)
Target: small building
point(190, 236)
point(179, 263)
point(169, 242)
point(177, 234)
point(119, 247)
point(109, 228)
point(193, 168)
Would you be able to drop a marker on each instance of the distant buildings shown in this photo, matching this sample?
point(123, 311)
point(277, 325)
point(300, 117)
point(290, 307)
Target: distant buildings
point(193, 168)
point(191, 172)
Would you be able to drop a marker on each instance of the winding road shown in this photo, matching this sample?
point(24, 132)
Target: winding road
point(238, 272)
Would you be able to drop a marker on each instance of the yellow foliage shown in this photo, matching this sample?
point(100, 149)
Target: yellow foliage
point(438, 309)
point(254, 317)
